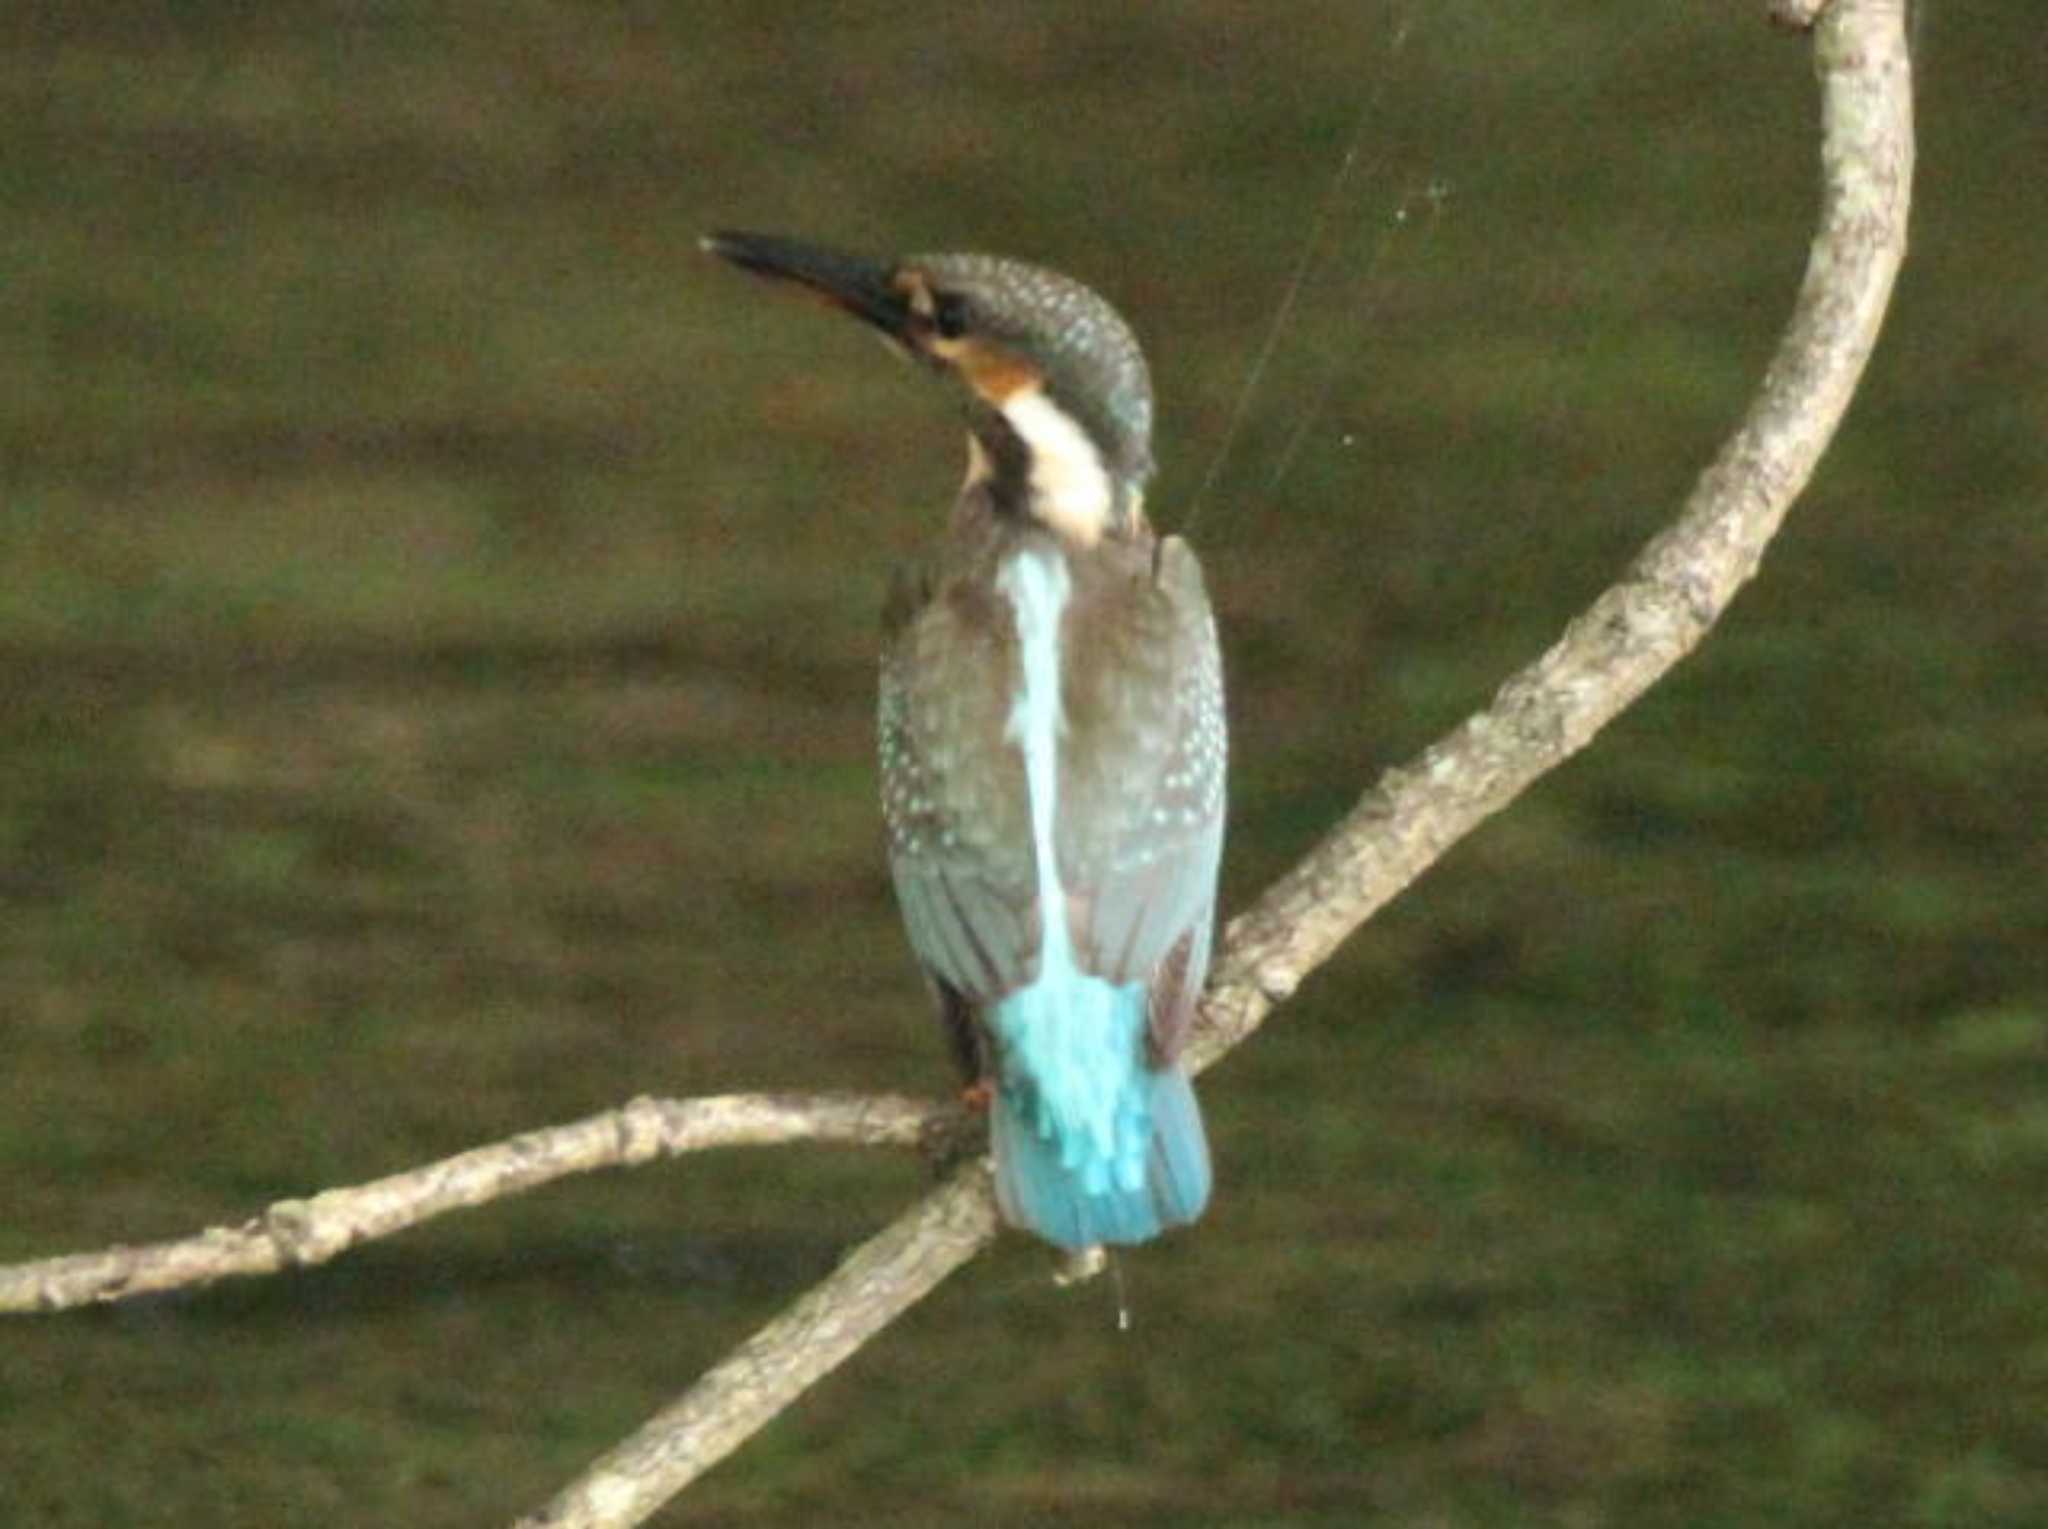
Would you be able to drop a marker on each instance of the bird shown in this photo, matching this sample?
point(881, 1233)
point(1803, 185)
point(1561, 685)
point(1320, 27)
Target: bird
point(1052, 740)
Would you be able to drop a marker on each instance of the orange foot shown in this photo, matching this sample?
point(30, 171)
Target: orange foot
point(978, 1096)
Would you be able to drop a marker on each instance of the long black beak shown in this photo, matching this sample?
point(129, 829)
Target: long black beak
point(863, 288)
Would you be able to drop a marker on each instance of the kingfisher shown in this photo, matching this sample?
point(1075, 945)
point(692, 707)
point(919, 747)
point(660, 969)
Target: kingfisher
point(1052, 740)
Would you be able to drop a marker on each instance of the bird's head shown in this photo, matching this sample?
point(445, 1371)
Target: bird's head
point(1059, 400)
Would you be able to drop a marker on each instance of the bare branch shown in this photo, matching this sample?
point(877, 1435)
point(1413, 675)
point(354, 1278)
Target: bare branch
point(1633, 634)
point(298, 1233)
point(1673, 592)
point(883, 1278)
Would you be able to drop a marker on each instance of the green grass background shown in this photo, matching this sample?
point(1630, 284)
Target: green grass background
point(436, 643)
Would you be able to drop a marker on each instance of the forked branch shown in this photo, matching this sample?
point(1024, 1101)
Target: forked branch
point(1655, 614)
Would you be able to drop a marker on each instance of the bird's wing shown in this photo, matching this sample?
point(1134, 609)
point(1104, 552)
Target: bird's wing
point(953, 794)
point(973, 935)
point(1145, 773)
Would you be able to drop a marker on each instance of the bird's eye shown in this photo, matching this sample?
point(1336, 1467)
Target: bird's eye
point(949, 315)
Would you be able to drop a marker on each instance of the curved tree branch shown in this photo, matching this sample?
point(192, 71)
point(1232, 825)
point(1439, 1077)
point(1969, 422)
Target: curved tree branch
point(1657, 613)
point(299, 1233)
point(1675, 589)
point(1659, 610)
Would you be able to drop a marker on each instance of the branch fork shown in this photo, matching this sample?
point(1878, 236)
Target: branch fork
point(1630, 637)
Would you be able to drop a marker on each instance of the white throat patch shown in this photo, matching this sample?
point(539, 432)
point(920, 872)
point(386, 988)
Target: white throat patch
point(1070, 487)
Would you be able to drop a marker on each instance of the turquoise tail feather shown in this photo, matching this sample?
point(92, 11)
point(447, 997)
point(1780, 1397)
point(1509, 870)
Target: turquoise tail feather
point(1093, 1144)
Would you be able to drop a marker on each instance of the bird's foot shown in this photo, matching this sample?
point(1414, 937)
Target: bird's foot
point(963, 1132)
point(1079, 1265)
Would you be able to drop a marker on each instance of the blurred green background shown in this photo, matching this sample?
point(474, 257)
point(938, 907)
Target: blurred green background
point(437, 627)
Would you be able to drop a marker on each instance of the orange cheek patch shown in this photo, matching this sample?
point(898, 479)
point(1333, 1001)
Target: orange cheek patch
point(996, 374)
